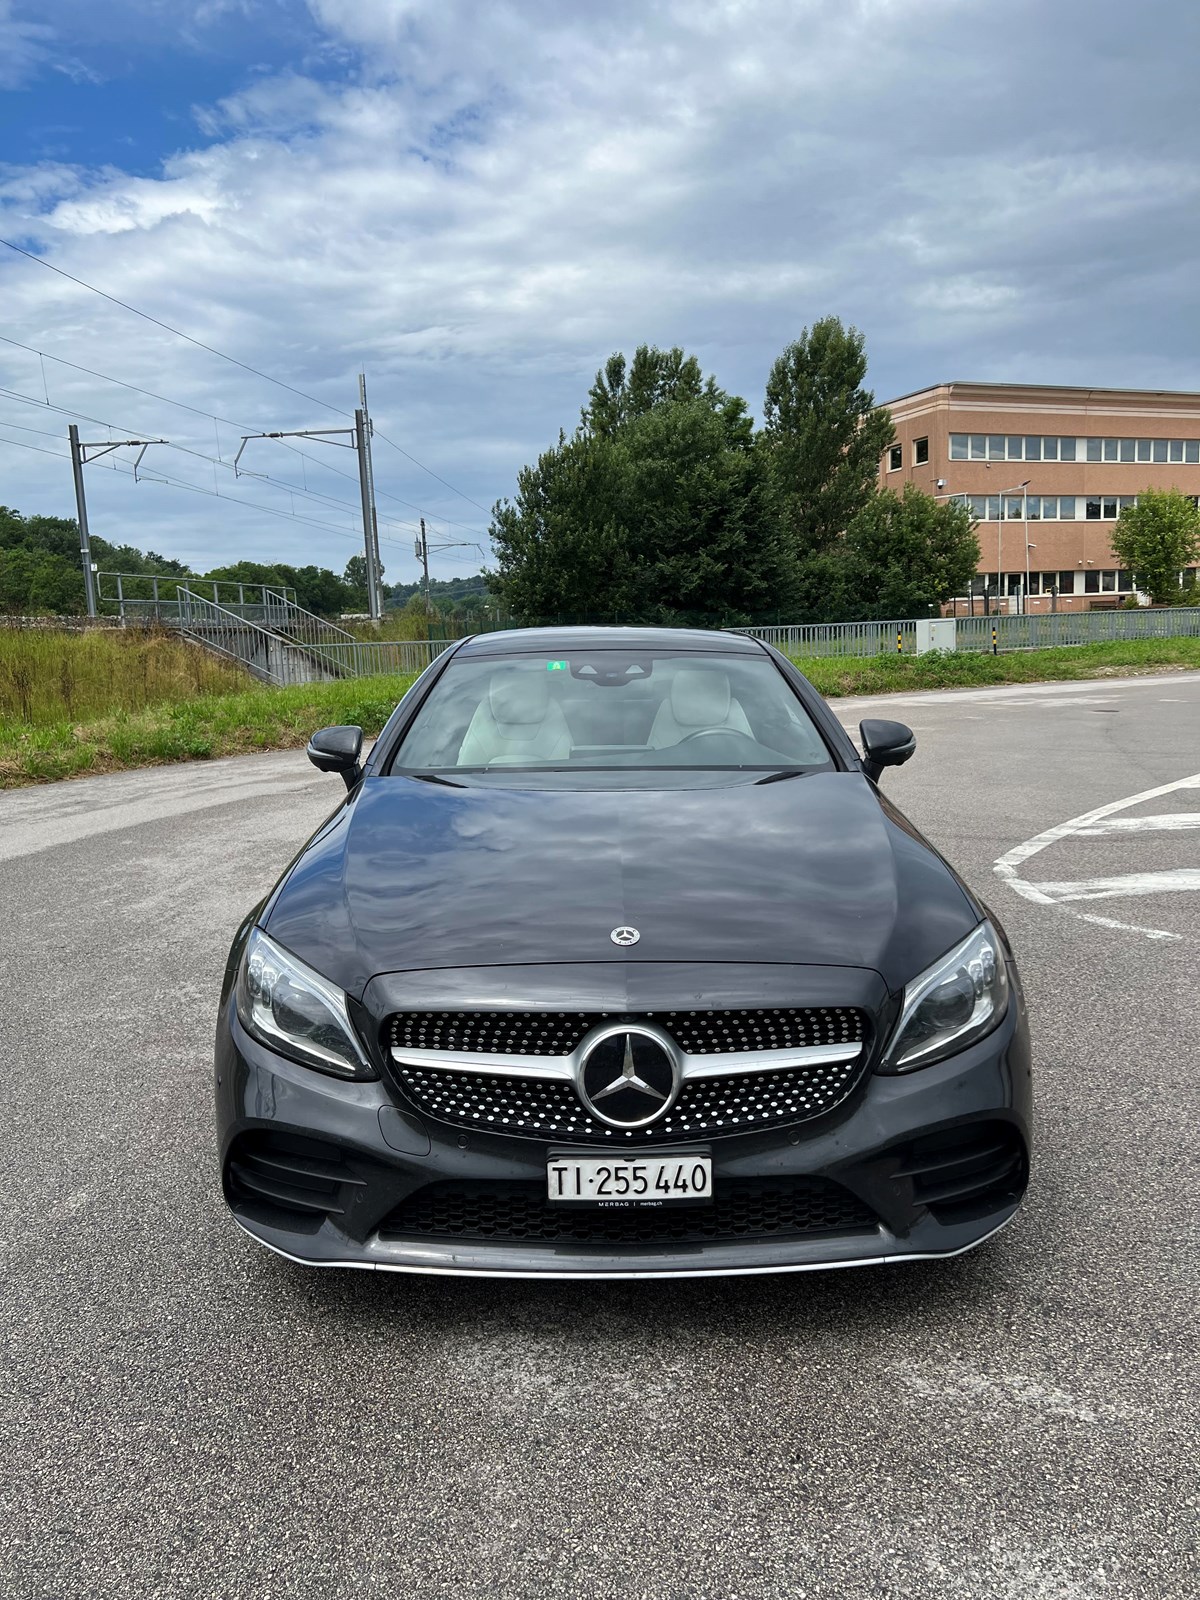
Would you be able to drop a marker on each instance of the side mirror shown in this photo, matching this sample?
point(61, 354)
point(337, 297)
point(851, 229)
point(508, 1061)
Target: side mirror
point(337, 750)
point(885, 744)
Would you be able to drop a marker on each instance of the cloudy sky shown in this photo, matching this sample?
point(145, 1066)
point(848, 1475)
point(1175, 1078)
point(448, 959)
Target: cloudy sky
point(477, 202)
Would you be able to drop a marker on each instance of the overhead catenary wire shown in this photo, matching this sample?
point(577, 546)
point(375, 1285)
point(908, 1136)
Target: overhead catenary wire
point(224, 356)
point(179, 483)
point(19, 444)
point(214, 461)
point(319, 462)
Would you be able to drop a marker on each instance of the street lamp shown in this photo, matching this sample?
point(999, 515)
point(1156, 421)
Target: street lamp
point(1020, 489)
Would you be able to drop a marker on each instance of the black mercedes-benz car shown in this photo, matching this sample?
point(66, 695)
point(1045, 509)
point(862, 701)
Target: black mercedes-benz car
point(615, 961)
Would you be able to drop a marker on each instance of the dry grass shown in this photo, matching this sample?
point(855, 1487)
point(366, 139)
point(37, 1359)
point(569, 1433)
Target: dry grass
point(49, 676)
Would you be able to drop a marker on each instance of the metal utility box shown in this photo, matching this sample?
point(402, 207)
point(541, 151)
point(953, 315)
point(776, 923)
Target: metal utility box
point(936, 633)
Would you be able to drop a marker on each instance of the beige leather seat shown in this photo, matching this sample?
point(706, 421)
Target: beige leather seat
point(516, 722)
point(700, 697)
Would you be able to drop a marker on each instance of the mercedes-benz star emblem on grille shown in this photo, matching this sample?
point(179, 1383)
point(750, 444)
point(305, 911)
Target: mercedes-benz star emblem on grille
point(624, 936)
point(628, 1078)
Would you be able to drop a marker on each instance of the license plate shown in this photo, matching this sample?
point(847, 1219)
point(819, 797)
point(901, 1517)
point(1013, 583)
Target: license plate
point(620, 1182)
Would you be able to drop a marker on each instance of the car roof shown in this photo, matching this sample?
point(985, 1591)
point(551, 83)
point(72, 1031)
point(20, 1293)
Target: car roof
point(553, 641)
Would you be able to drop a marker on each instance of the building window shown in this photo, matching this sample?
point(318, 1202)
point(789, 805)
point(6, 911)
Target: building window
point(895, 458)
point(1066, 447)
point(1108, 582)
point(1105, 508)
point(1091, 582)
point(1066, 582)
point(920, 452)
point(1042, 508)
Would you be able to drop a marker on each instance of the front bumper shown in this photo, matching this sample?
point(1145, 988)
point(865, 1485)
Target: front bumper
point(896, 1149)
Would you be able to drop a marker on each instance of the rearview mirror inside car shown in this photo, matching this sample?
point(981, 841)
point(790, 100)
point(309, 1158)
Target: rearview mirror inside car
point(337, 750)
point(885, 744)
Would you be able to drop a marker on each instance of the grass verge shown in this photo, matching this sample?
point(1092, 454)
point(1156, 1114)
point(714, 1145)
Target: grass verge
point(892, 674)
point(195, 729)
point(257, 718)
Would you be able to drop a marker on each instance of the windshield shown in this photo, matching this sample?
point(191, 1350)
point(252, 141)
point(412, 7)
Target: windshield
point(611, 711)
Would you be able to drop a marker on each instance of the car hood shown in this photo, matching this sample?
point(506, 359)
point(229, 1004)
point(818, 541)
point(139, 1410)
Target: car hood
point(818, 870)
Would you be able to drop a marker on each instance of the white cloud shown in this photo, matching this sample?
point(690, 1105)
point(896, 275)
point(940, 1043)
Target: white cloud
point(488, 200)
point(24, 47)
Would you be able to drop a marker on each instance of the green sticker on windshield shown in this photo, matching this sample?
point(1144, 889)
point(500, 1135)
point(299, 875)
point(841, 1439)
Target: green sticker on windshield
point(556, 666)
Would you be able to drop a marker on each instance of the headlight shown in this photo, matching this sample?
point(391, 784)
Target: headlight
point(956, 1001)
point(296, 1011)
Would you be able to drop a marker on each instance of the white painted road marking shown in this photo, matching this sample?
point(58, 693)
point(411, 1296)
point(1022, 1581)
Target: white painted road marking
point(1099, 888)
point(1165, 821)
point(1124, 884)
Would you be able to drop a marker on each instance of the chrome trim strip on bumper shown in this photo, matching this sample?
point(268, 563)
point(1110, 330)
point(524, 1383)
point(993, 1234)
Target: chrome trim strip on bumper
point(563, 1068)
point(678, 1272)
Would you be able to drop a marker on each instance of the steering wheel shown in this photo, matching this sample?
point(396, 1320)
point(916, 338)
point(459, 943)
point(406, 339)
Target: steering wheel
point(714, 733)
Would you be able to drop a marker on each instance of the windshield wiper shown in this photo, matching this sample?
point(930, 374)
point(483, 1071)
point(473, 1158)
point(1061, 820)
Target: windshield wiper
point(784, 772)
point(432, 777)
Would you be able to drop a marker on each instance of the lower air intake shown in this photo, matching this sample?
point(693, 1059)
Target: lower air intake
point(519, 1213)
point(968, 1171)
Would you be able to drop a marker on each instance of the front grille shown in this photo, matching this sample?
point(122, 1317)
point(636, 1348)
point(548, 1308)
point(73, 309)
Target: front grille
point(541, 1108)
point(519, 1213)
point(557, 1033)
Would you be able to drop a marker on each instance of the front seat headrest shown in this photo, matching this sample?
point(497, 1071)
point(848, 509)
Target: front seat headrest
point(518, 698)
point(700, 697)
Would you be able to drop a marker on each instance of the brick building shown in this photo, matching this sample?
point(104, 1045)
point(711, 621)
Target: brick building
point(1046, 471)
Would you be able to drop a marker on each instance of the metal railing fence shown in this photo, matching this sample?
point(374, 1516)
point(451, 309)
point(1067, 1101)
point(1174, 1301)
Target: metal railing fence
point(310, 632)
point(144, 594)
point(265, 654)
point(839, 638)
point(369, 658)
point(1034, 632)
point(975, 633)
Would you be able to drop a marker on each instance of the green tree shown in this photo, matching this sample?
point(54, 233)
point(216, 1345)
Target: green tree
point(38, 583)
point(822, 435)
point(655, 377)
point(656, 510)
point(904, 555)
point(1156, 539)
point(355, 579)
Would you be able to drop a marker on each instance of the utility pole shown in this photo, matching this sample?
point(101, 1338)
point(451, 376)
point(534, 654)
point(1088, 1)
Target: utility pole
point(79, 459)
point(422, 547)
point(85, 549)
point(423, 557)
point(366, 479)
point(360, 440)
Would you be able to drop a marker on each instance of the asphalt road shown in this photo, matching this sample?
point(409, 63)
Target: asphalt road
point(183, 1414)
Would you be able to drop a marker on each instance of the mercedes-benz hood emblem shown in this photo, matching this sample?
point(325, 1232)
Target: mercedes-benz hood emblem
point(624, 936)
